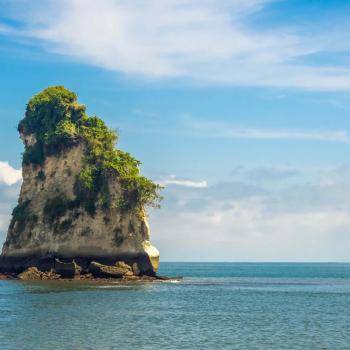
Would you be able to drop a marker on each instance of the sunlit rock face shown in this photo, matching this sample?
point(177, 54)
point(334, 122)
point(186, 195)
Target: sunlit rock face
point(57, 217)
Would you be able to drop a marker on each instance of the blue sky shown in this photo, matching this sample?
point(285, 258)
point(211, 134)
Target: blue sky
point(240, 108)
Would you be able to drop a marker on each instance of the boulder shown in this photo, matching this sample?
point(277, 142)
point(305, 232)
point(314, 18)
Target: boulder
point(126, 267)
point(67, 269)
point(107, 271)
point(33, 273)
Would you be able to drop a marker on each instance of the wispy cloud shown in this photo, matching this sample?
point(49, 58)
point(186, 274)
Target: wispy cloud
point(173, 180)
point(263, 174)
point(4, 29)
point(142, 113)
point(9, 175)
point(227, 130)
point(207, 41)
point(10, 184)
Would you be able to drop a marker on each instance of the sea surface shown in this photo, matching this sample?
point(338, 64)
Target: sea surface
point(217, 306)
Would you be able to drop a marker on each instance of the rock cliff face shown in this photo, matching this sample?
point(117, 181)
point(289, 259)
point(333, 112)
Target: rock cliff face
point(81, 198)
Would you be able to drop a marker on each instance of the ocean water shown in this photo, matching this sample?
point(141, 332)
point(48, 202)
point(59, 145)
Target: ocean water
point(217, 306)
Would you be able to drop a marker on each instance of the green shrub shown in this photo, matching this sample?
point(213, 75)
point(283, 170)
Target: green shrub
point(66, 129)
point(51, 116)
point(46, 109)
point(87, 188)
point(58, 121)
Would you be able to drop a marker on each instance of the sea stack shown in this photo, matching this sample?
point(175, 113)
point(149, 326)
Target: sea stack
point(82, 202)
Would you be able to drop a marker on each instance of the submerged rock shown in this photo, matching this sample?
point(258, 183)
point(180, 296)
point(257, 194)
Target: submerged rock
point(80, 198)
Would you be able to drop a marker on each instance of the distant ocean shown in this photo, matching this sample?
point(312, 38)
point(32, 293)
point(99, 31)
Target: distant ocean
point(217, 306)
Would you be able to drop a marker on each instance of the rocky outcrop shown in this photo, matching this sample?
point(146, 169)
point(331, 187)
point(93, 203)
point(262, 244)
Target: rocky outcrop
point(96, 272)
point(82, 201)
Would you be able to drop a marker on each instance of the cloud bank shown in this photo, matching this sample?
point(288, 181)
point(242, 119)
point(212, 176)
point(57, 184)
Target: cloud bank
point(239, 220)
point(208, 41)
point(246, 218)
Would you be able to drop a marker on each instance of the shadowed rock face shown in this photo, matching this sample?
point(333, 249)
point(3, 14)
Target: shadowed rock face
point(54, 220)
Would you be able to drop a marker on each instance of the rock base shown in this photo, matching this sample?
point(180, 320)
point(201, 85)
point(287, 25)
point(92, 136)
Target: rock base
point(94, 271)
point(69, 266)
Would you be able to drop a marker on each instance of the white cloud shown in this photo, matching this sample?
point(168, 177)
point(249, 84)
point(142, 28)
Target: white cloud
point(203, 40)
point(298, 222)
point(4, 222)
point(173, 180)
point(141, 113)
point(246, 232)
point(9, 175)
point(8, 200)
point(228, 130)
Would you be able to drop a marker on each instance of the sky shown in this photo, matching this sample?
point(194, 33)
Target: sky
point(240, 108)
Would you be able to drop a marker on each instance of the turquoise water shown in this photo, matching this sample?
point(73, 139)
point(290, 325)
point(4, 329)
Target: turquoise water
point(217, 306)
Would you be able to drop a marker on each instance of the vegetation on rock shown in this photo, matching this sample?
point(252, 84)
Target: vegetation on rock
point(23, 216)
point(57, 121)
point(57, 207)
